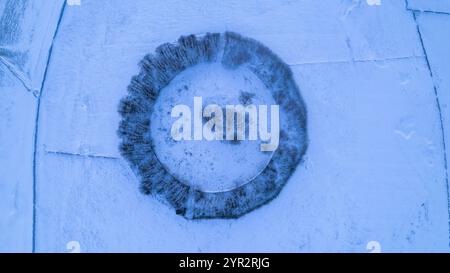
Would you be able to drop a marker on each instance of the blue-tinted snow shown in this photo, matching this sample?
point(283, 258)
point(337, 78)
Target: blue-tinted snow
point(26, 31)
point(17, 117)
point(436, 41)
point(374, 169)
point(430, 5)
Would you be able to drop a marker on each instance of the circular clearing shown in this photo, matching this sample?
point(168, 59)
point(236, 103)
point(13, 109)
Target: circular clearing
point(210, 166)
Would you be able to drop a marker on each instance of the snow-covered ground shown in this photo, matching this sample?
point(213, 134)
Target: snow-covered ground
point(375, 77)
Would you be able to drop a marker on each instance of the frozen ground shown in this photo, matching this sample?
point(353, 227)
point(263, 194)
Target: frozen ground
point(375, 79)
point(228, 164)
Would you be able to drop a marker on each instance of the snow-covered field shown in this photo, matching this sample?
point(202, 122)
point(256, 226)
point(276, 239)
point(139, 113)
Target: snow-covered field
point(374, 75)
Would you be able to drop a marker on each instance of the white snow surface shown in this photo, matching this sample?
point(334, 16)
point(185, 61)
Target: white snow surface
point(211, 166)
point(375, 168)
